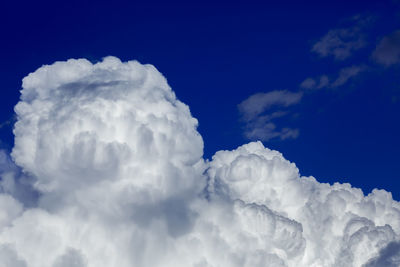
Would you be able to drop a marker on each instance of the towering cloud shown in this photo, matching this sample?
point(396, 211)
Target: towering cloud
point(109, 172)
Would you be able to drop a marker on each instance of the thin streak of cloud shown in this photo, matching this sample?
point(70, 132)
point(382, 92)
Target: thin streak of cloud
point(387, 51)
point(311, 83)
point(341, 43)
point(260, 102)
point(261, 126)
point(347, 73)
point(344, 75)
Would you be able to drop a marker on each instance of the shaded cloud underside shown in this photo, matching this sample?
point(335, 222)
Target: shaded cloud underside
point(114, 163)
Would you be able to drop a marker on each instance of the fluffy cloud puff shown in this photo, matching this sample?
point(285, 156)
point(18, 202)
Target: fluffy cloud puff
point(113, 175)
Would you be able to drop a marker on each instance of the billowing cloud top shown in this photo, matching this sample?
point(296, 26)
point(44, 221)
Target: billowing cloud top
point(85, 124)
point(115, 163)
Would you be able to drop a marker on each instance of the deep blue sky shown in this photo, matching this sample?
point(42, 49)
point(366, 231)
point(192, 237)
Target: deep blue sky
point(217, 55)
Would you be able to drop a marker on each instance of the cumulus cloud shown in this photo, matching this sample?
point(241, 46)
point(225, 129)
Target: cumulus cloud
point(387, 51)
point(116, 163)
point(388, 256)
point(340, 225)
point(256, 112)
point(342, 42)
point(15, 183)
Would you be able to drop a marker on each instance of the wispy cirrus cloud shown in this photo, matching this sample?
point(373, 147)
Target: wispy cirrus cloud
point(260, 102)
point(6, 123)
point(387, 51)
point(344, 75)
point(342, 42)
point(339, 43)
point(256, 111)
point(311, 83)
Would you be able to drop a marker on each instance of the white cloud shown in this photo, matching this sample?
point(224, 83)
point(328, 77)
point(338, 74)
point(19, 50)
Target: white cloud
point(387, 51)
point(9, 258)
point(255, 112)
point(341, 227)
point(71, 258)
point(117, 164)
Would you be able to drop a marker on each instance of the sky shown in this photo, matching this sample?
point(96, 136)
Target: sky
point(216, 55)
point(200, 134)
